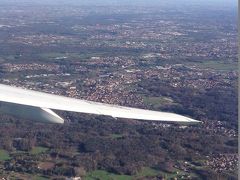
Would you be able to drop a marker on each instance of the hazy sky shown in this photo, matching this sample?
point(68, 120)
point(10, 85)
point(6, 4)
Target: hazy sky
point(224, 3)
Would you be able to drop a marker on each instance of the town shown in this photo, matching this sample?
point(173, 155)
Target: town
point(137, 57)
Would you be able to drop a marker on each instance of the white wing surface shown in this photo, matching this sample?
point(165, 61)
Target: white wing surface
point(45, 102)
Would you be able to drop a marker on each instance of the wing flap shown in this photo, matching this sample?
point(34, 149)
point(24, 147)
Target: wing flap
point(30, 112)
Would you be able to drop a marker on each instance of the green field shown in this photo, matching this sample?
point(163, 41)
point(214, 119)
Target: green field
point(217, 65)
point(116, 136)
point(157, 102)
point(38, 150)
point(147, 171)
point(104, 175)
point(150, 172)
point(4, 155)
point(39, 178)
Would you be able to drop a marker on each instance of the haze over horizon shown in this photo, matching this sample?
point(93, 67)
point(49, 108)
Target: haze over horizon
point(220, 3)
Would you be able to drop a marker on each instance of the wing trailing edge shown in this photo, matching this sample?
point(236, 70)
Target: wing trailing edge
point(38, 105)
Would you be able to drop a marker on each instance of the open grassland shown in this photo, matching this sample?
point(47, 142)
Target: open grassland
point(38, 150)
point(217, 65)
point(157, 102)
point(101, 174)
point(4, 155)
point(145, 173)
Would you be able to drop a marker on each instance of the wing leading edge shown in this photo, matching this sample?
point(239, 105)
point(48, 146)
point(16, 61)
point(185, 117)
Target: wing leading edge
point(45, 102)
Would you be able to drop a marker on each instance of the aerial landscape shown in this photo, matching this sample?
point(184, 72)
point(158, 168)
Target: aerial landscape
point(159, 55)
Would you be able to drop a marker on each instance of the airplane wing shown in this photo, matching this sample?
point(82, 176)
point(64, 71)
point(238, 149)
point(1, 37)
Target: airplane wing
point(37, 105)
